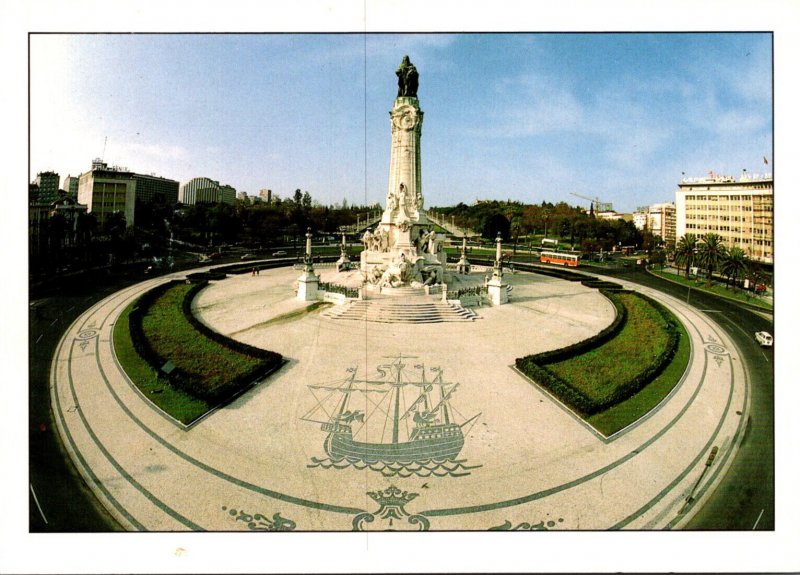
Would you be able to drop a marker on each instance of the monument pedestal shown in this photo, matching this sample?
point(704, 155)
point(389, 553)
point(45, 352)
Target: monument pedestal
point(498, 291)
point(307, 286)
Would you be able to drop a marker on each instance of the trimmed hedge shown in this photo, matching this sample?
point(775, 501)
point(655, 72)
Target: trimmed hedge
point(535, 366)
point(211, 389)
point(608, 333)
point(601, 284)
point(205, 276)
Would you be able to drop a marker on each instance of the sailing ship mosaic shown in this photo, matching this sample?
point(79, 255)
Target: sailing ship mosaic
point(400, 422)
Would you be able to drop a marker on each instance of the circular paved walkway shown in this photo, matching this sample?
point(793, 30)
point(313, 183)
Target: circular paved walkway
point(527, 463)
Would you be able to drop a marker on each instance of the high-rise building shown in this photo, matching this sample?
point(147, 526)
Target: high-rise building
point(106, 191)
point(265, 195)
point(661, 221)
point(48, 186)
point(206, 191)
point(70, 186)
point(114, 189)
point(640, 218)
point(227, 194)
point(152, 189)
point(739, 211)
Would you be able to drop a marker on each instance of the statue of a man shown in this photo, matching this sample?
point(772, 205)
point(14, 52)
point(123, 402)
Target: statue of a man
point(403, 198)
point(407, 79)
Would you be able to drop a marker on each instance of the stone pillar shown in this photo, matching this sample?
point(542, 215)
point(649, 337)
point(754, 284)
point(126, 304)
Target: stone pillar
point(343, 263)
point(463, 263)
point(308, 282)
point(498, 291)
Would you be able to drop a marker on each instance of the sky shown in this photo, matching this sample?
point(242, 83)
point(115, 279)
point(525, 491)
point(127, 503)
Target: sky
point(529, 117)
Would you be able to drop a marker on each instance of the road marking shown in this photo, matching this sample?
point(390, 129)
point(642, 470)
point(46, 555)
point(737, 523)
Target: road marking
point(54, 322)
point(71, 308)
point(765, 356)
point(712, 310)
point(759, 519)
point(42, 335)
point(39, 507)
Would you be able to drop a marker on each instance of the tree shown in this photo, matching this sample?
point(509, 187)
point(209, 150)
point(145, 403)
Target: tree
point(735, 263)
point(685, 251)
point(711, 252)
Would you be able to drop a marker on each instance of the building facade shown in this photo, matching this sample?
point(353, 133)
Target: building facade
point(105, 190)
point(47, 184)
point(206, 191)
point(640, 218)
point(71, 186)
point(739, 211)
point(151, 189)
point(661, 220)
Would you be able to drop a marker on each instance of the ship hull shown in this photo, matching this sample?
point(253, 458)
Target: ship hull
point(342, 446)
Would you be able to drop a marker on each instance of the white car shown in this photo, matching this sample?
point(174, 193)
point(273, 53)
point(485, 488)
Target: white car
point(764, 338)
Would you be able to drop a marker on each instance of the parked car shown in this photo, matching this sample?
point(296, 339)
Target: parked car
point(247, 257)
point(279, 253)
point(764, 338)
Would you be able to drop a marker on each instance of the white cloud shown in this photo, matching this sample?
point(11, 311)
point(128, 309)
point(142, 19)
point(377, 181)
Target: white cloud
point(533, 104)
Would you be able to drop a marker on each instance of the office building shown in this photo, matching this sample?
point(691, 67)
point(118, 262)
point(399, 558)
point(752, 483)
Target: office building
point(47, 184)
point(106, 190)
point(739, 210)
point(661, 221)
point(206, 191)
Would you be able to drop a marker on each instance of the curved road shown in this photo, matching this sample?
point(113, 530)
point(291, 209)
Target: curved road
point(745, 499)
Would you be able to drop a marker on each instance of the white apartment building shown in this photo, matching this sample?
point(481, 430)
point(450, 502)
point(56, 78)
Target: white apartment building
point(661, 221)
point(206, 190)
point(740, 211)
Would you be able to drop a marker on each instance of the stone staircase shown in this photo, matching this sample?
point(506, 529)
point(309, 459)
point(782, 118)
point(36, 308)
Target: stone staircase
point(401, 310)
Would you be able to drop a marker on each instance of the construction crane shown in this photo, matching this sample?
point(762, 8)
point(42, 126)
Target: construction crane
point(596, 205)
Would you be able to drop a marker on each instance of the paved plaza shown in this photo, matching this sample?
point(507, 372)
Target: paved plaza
point(526, 463)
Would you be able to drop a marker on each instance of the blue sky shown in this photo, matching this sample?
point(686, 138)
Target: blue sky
point(528, 117)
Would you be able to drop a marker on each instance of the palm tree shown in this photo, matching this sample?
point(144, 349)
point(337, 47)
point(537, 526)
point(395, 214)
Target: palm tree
point(711, 252)
point(684, 251)
point(734, 264)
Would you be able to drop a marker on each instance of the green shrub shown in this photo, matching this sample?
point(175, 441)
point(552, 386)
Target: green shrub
point(602, 371)
point(207, 365)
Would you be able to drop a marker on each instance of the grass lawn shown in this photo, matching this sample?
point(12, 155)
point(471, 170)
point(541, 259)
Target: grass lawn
point(207, 373)
point(604, 377)
point(715, 288)
point(157, 389)
point(625, 413)
point(172, 337)
point(598, 372)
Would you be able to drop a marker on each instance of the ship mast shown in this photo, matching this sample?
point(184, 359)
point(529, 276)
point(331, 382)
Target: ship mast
point(443, 400)
point(396, 419)
point(347, 393)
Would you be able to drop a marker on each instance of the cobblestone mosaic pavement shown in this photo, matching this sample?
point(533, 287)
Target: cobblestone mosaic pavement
point(527, 463)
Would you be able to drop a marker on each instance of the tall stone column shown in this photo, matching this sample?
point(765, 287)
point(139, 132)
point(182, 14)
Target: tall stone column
point(404, 200)
point(308, 282)
point(498, 290)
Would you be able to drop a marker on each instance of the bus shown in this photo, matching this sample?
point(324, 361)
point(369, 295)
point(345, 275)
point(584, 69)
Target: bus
point(560, 258)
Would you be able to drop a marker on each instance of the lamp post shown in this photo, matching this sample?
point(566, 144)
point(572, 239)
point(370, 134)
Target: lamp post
point(691, 265)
